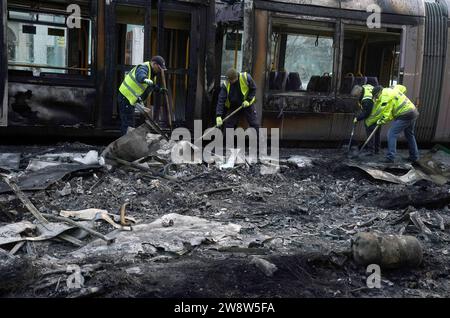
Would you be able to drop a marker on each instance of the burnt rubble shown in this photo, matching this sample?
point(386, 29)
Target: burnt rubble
point(185, 230)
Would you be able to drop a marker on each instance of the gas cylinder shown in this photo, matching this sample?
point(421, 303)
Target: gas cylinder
point(387, 251)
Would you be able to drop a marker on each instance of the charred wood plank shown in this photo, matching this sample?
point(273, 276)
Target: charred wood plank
point(81, 226)
point(427, 200)
point(216, 190)
point(25, 200)
point(139, 167)
point(32, 208)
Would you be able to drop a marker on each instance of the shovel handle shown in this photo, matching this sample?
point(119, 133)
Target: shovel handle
point(224, 120)
point(351, 136)
point(168, 104)
point(232, 114)
point(152, 123)
point(370, 138)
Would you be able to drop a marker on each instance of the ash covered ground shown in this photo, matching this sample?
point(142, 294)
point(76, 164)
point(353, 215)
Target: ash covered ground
point(300, 220)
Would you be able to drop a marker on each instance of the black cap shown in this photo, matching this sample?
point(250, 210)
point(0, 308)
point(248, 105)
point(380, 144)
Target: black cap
point(160, 61)
point(377, 90)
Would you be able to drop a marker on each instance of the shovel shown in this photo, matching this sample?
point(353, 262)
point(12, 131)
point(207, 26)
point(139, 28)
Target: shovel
point(351, 137)
point(223, 121)
point(168, 100)
point(367, 141)
point(150, 121)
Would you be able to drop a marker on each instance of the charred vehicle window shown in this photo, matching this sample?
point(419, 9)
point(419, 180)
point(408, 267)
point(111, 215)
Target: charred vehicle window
point(370, 57)
point(40, 43)
point(302, 57)
point(309, 56)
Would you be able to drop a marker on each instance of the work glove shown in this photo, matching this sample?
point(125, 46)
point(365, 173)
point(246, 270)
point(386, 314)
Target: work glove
point(381, 121)
point(355, 120)
point(163, 90)
point(245, 104)
point(148, 81)
point(219, 121)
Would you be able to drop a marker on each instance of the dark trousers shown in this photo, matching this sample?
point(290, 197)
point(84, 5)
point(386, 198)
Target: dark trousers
point(250, 115)
point(126, 114)
point(374, 144)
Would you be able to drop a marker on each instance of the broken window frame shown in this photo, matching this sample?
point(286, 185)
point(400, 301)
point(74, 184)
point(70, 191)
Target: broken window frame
point(195, 48)
point(278, 103)
point(301, 26)
point(237, 60)
point(359, 26)
point(193, 104)
point(120, 67)
point(173, 74)
point(49, 74)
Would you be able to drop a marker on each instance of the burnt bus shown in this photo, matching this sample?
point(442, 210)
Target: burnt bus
point(60, 74)
point(306, 56)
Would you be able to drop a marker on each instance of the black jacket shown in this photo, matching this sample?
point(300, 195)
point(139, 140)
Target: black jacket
point(367, 106)
point(141, 75)
point(236, 98)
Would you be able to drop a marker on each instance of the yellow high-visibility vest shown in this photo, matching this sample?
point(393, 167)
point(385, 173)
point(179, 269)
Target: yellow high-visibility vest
point(395, 101)
point(131, 88)
point(244, 89)
point(376, 113)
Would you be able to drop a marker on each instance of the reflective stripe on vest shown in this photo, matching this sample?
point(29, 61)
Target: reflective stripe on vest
point(375, 115)
point(131, 88)
point(244, 89)
point(402, 105)
point(367, 92)
point(376, 108)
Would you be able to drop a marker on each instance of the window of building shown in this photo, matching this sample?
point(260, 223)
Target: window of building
point(134, 48)
point(302, 57)
point(232, 51)
point(42, 43)
point(12, 43)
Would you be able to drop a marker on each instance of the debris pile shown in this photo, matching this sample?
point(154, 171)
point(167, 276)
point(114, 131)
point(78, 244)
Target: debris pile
point(136, 224)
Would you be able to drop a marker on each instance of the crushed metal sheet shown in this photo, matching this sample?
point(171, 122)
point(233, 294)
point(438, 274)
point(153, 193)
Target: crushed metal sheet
point(409, 178)
point(301, 161)
point(43, 178)
point(61, 157)
point(97, 214)
point(88, 159)
point(183, 231)
point(443, 158)
point(434, 169)
point(36, 164)
point(12, 233)
point(10, 161)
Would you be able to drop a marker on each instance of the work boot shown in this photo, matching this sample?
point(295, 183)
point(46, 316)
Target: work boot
point(409, 159)
point(387, 160)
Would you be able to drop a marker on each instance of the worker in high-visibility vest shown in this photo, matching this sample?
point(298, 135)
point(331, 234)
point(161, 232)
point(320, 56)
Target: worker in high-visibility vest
point(138, 85)
point(238, 90)
point(370, 113)
point(403, 113)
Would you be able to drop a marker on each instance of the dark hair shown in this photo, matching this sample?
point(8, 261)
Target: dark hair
point(377, 90)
